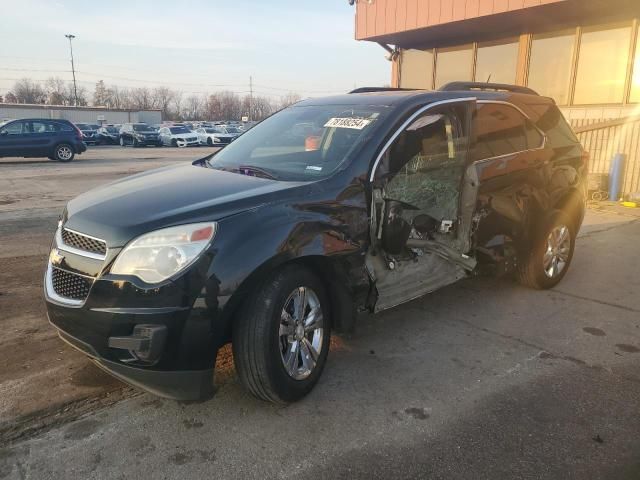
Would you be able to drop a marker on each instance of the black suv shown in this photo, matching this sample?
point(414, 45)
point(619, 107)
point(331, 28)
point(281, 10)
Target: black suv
point(139, 135)
point(38, 137)
point(108, 135)
point(89, 132)
point(272, 245)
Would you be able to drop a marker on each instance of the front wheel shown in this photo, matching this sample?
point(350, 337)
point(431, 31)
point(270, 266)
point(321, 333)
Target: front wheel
point(281, 338)
point(63, 152)
point(548, 259)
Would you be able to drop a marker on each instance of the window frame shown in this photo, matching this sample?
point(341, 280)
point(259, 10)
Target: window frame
point(632, 25)
point(407, 123)
point(526, 117)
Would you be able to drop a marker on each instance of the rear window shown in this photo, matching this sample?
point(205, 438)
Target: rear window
point(179, 130)
point(553, 124)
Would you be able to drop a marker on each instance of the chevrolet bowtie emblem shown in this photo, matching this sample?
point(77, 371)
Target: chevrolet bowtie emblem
point(55, 257)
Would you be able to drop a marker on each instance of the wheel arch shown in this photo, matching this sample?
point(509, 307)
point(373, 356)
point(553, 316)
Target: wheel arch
point(331, 274)
point(573, 203)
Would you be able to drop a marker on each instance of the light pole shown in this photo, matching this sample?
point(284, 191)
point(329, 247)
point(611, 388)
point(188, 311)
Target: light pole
point(73, 69)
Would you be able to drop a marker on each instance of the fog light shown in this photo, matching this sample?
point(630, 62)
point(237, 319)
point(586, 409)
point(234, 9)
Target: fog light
point(146, 343)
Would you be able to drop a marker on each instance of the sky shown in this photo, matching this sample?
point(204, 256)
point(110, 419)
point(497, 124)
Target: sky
point(196, 46)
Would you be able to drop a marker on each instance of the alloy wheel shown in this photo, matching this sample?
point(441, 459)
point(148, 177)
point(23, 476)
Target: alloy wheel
point(64, 152)
point(557, 253)
point(301, 333)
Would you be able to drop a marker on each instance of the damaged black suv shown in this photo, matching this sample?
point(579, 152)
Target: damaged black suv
point(329, 208)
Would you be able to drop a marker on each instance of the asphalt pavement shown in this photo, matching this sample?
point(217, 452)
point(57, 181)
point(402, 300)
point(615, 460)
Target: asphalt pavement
point(484, 379)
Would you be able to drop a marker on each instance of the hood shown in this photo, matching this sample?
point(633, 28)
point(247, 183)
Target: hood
point(123, 210)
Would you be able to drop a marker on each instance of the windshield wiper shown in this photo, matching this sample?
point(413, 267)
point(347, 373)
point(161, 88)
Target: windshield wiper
point(253, 171)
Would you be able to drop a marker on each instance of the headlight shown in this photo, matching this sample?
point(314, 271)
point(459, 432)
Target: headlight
point(156, 256)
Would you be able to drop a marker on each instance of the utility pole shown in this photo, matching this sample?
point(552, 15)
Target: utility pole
point(250, 98)
point(73, 69)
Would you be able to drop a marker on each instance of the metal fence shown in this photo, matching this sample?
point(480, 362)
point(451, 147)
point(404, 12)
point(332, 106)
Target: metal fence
point(604, 139)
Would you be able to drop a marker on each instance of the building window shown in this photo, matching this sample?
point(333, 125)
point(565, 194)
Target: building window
point(550, 65)
point(454, 64)
point(416, 69)
point(497, 61)
point(635, 80)
point(602, 66)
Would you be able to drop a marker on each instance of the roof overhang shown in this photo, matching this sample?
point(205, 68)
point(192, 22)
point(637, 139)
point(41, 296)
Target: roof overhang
point(540, 18)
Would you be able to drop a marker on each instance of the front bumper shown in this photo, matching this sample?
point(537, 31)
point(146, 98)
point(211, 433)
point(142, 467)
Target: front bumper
point(107, 323)
point(175, 385)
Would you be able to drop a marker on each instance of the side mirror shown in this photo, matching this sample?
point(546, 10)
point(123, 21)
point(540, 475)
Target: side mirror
point(3, 133)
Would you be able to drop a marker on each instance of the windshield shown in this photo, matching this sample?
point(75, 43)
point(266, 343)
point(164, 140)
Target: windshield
point(83, 126)
point(233, 130)
point(211, 130)
point(142, 128)
point(300, 143)
point(112, 129)
point(179, 130)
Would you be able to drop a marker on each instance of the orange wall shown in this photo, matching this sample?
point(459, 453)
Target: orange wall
point(383, 17)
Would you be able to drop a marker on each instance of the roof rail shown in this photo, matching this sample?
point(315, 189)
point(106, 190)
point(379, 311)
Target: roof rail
point(456, 86)
point(380, 89)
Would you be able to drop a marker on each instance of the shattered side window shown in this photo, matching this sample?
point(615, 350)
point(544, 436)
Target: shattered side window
point(424, 165)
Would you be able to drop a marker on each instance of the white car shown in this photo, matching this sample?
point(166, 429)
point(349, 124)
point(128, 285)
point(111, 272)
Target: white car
point(178, 137)
point(214, 136)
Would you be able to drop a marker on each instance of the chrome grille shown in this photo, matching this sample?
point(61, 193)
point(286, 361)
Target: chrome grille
point(82, 242)
point(70, 285)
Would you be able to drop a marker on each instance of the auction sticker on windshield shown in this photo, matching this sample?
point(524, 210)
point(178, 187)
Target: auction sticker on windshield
point(350, 122)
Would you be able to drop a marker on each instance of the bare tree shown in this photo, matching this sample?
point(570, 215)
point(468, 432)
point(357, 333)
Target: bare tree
point(193, 109)
point(257, 108)
point(10, 98)
point(100, 95)
point(56, 90)
point(28, 91)
point(81, 94)
point(176, 106)
point(163, 98)
point(289, 99)
point(141, 98)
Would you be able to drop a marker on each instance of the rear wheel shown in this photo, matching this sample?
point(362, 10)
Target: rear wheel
point(281, 339)
point(63, 152)
point(547, 261)
point(209, 141)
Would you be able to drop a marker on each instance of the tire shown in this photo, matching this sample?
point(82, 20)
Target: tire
point(548, 260)
point(122, 143)
point(209, 142)
point(135, 143)
point(262, 342)
point(174, 143)
point(63, 152)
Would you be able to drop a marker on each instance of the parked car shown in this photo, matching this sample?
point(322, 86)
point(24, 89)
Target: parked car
point(273, 246)
point(89, 132)
point(213, 136)
point(232, 130)
point(108, 135)
point(178, 136)
point(139, 135)
point(37, 137)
